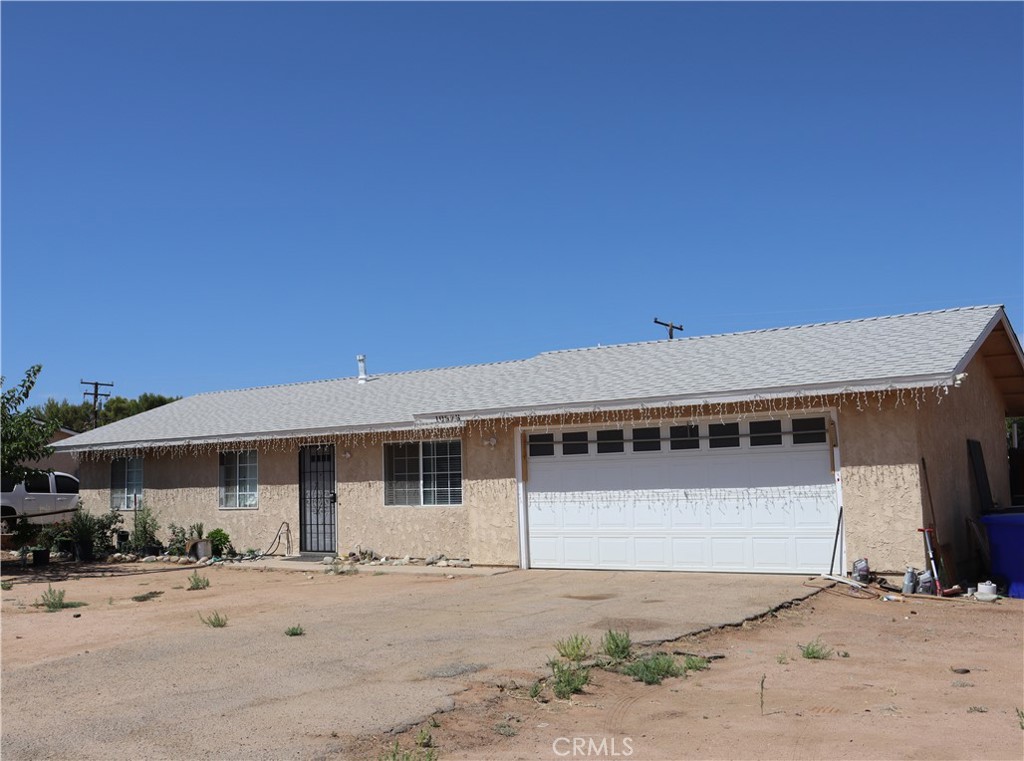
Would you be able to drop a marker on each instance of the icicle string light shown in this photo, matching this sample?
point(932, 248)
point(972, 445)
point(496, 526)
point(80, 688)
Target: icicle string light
point(448, 426)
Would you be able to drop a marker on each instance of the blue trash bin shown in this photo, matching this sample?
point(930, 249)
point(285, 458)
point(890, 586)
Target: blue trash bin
point(1006, 541)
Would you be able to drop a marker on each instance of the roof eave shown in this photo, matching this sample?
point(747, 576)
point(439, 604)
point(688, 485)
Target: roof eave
point(454, 418)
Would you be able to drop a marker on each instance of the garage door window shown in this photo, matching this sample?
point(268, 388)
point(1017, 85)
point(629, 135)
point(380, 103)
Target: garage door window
point(723, 435)
point(684, 437)
point(610, 442)
point(542, 444)
point(575, 443)
point(809, 430)
point(766, 433)
point(646, 439)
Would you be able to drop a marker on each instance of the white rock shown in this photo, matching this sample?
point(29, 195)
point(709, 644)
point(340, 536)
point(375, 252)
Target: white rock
point(442, 563)
point(149, 559)
point(329, 560)
point(203, 559)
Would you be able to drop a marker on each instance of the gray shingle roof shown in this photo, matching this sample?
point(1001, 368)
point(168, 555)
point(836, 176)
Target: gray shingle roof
point(920, 349)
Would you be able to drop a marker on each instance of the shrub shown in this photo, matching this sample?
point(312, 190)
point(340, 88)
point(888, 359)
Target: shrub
point(396, 753)
point(7, 586)
point(816, 650)
point(195, 581)
point(568, 679)
point(104, 527)
point(52, 532)
point(82, 526)
point(144, 529)
point(617, 645)
point(651, 669)
point(575, 648)
point(696, 663)
point(195, 531)
point(53, 600)
point(179, 540)
point(219, 541)
point(295, 631)
point(216, 620)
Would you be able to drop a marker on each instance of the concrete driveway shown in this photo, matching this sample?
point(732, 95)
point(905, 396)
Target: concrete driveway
point(131, 680)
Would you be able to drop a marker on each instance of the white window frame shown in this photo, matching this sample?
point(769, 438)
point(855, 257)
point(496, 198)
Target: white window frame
point(128, 496)
point(234, 489)
point(703, 438)
point(424, 458)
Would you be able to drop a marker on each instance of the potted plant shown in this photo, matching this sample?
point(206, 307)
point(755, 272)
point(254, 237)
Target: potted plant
point(82, 528)
point(57, 536)
point(40, 555)
point(144, 528)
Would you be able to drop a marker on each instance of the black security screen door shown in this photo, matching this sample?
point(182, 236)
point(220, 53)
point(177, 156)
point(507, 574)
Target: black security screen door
point(317, 499)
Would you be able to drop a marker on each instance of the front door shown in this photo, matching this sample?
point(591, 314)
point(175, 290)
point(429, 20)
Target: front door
point(317, 499)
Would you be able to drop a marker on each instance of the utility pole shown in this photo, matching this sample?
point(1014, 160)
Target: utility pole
point(96, 395)
point(672, 327)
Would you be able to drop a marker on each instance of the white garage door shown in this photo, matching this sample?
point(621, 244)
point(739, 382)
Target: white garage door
point(746, 496)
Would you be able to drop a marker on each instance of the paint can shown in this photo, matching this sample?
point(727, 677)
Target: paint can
point(986, 588)
point(861, 571)
point(909, 581)
point(926, 584)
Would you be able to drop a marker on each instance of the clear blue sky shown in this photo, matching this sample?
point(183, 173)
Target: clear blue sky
point(209, 196)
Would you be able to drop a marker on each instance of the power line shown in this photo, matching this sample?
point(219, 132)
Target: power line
point(96, 395)
point(672, 327)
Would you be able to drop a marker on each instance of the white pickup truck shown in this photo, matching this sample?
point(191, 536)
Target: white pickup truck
point(41, 498)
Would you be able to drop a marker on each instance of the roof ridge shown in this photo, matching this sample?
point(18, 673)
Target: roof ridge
point(356, 378)
point(777, 329)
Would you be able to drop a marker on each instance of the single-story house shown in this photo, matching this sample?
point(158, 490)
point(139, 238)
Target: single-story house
point(731, 452)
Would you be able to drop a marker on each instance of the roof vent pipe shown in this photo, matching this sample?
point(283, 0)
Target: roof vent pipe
point(361, 359)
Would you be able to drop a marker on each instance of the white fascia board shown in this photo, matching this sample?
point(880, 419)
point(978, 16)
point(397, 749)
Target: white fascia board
point(240, 438)
point(998, 318)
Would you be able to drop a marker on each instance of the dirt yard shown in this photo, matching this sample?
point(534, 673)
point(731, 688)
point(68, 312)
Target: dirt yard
point(130, 677)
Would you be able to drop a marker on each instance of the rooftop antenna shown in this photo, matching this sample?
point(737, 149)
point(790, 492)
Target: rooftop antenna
point(672, 327)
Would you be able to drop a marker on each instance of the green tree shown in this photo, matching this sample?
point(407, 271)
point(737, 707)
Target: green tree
point(119, 407)
point(78, 417)
point(25, 437)
point(75, 417)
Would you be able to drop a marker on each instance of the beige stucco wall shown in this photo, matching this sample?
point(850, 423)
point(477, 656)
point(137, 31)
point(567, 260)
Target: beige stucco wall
point(885, 498)
point(881, 485)
point(183, 489)
point(484, 528)
point(969, 412)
